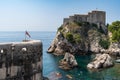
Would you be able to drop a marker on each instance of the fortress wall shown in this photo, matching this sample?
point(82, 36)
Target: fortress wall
point(81, 18)
point(72, 18)
point(97, 17)
point(21, 60)
point(65, 20)
point(89, 18)
point(94, 17)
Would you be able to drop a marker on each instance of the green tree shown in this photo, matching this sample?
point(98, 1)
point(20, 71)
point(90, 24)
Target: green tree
point(115, 26)
point(114, 36)
point(115, 29)
point(77, 38)
point(104, 43)
point(69, 37)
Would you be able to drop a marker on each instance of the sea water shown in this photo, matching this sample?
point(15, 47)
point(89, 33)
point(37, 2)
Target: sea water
point(50, 62)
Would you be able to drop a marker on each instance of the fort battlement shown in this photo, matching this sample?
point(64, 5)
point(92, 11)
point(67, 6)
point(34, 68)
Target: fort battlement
point(96, 17)
point(21, 60)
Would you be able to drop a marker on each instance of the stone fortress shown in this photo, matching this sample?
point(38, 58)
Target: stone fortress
point(21, 60)
point(96, 17)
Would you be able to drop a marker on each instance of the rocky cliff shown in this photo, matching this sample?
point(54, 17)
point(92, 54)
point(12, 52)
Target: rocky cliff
point(78, 38)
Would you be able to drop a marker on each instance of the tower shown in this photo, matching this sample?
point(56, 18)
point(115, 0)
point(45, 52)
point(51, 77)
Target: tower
point(97, 17)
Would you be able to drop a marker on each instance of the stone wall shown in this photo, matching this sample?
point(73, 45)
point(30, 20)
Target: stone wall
point(21, 60)
point(97, 17)
point(80, 18)
point(66, 20)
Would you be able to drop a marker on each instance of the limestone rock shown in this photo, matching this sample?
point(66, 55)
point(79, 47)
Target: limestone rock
point(68, 62)
point(101, 61)
point(114, 49)
point(60, 45)
point(51, 49)
point(84, 37)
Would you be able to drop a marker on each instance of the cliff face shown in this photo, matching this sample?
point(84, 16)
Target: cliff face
point(21, 61)
point(78, 38)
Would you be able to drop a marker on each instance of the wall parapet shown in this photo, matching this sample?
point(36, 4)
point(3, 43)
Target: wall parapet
point(21, 60)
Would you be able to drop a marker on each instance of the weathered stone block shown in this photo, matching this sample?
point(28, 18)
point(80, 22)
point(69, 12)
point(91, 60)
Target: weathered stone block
point(21, 60)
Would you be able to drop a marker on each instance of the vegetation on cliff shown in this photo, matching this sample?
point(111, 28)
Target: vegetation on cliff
point(75, 37)
point(69, 37)
point(76, 32)
point(79, 36)
point(104, 43)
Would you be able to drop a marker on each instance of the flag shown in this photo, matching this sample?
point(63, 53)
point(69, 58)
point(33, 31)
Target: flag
point(26, 33)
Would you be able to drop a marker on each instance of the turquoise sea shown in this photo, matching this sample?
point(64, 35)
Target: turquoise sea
point(50, 62)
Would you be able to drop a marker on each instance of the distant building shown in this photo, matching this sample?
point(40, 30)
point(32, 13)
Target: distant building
point(96, 17)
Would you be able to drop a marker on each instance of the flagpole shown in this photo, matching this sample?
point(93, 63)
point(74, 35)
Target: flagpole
point(25, 35)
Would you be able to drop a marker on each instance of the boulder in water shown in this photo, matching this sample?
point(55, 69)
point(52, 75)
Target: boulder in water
point(101, 61)
point(68, 62)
